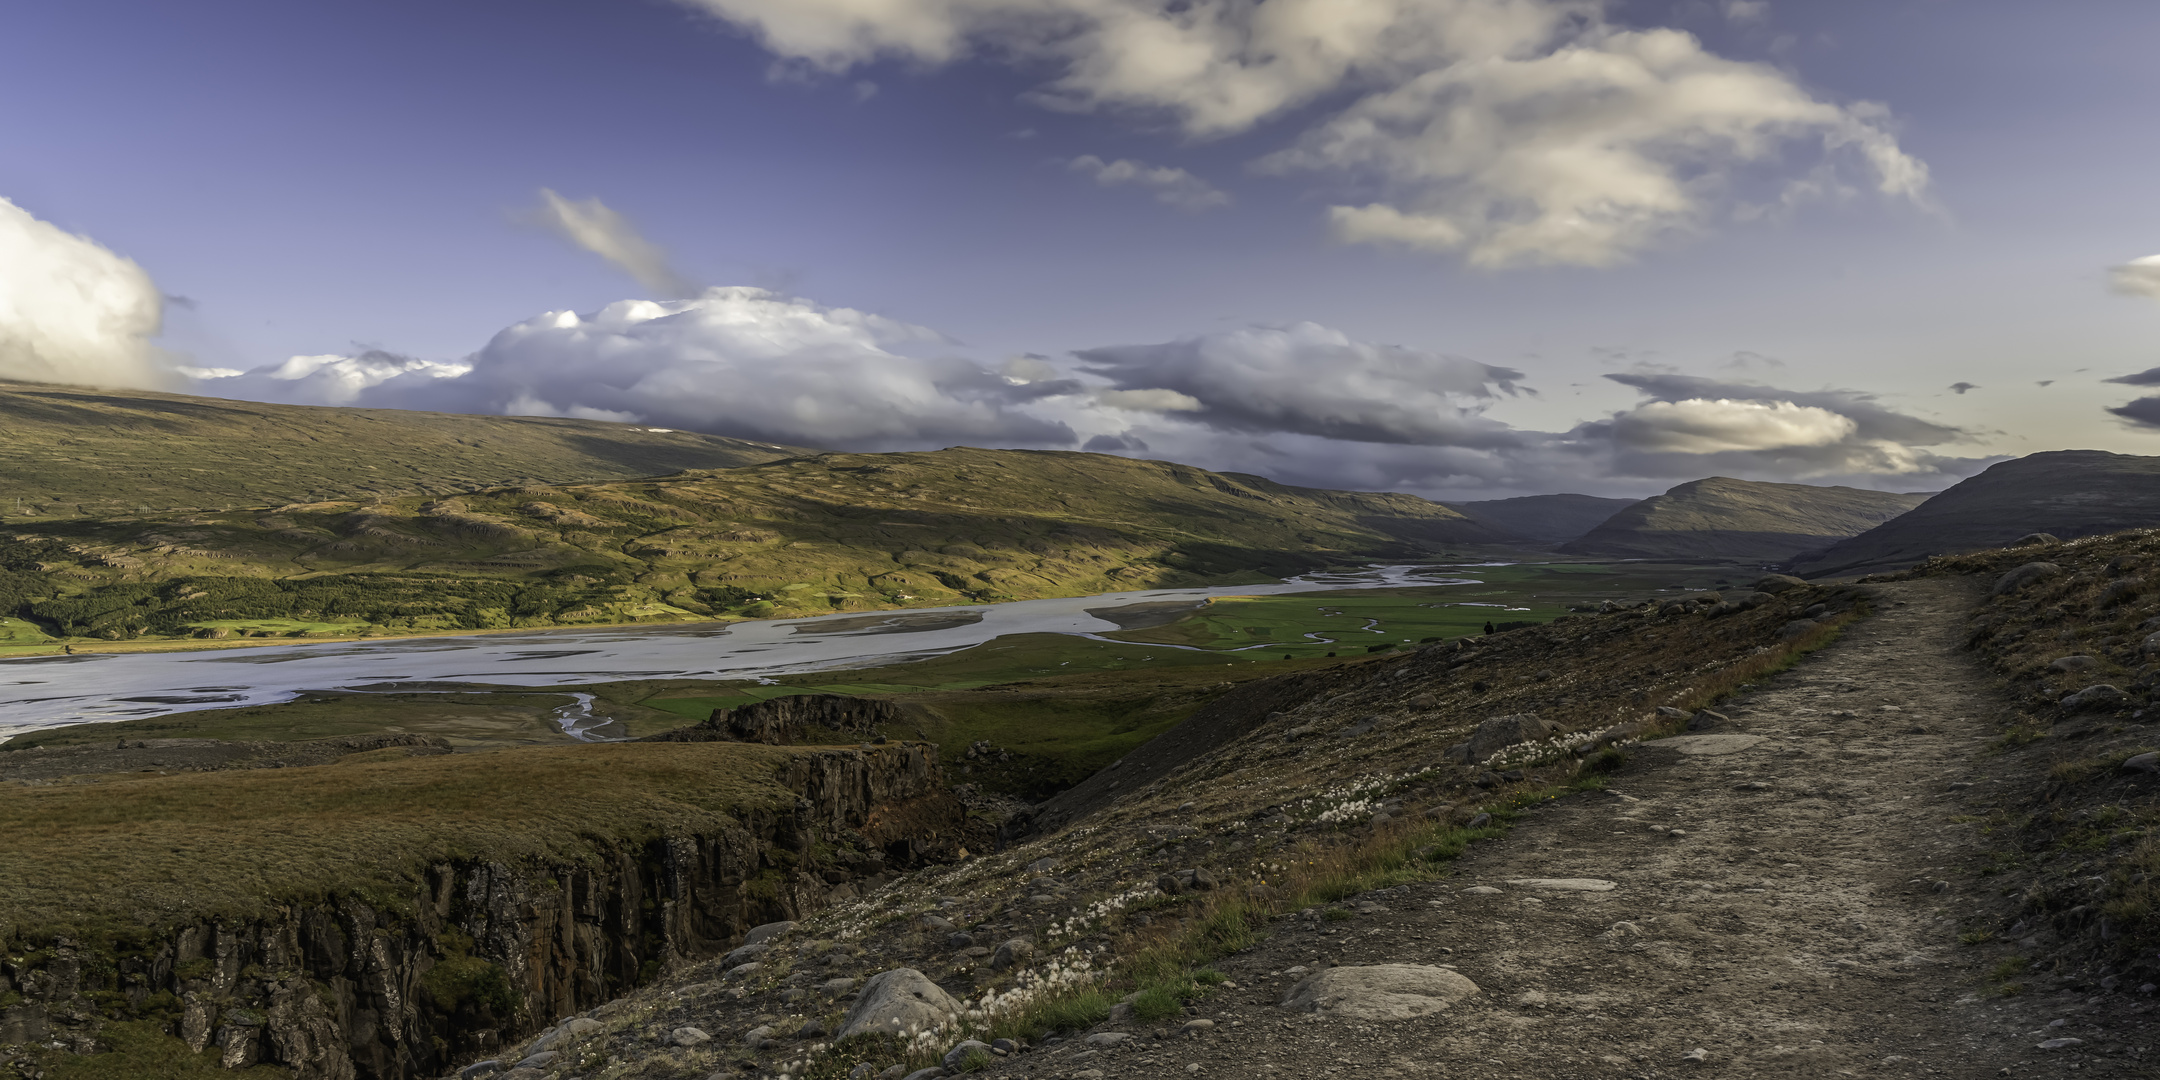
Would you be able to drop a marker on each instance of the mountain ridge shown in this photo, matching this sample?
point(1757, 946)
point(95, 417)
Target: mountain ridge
point(1719, 517)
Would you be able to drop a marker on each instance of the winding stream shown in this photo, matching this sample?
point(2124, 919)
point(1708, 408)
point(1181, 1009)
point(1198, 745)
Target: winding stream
point(47, 691)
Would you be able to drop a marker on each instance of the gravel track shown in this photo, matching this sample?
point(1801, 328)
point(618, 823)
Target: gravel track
point(1787, 899)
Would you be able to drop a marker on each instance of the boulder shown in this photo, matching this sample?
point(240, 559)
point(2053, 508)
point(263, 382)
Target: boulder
point(569, 1031)
point(1012, 953)
point(1380, 992)
point(1498, 734)
point(744, 955)
point(1777, 583)
point(1796, 629)
point(2147, 762)
point(897, 1001)
point(759, 935)
point(2033, 538)
point(2101, 696)
point(2074, 663)
point(688, 1036)
point(2029, 574)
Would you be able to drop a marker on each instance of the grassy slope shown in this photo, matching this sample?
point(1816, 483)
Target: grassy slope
point(147, 850)
point(1741, 520)
point(811, 535)
point(71, 452)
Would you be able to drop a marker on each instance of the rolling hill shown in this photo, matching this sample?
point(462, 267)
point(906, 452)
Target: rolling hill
point(1740, 521)
point(2069, 493)
point(1544, 519)
point(73, 452)
point(832, 532)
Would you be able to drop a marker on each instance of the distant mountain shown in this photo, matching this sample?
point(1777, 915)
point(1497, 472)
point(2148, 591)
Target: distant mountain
point(1544, 519)
point(2069, 493)
point(68, 451)
point(1740, 521)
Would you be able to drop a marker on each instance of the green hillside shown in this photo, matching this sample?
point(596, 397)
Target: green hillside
point(1750, 521)
point(73, 452)
point(834, 532)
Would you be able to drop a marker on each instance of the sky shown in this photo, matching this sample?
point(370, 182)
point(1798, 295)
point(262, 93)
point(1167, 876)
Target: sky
point(1462, 248)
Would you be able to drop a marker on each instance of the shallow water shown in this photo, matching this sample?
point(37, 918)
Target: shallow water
point(47, 691)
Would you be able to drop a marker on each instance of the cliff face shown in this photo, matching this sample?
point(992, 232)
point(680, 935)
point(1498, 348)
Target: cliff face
point(482, 953)
point(782, 721)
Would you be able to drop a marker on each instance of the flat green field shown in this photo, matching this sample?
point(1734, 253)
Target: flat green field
point(1324, 624)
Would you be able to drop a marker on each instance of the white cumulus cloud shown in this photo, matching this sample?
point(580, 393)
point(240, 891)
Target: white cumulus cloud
point(598, 228)
point(1511, 131)
point(2138, 277)
point(738, 361)
point(1171, 186)
point(1714, 425)
point(72, 311)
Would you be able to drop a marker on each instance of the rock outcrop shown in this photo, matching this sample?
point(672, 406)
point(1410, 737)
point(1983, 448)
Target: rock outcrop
point(483, 953)
point(782, 721)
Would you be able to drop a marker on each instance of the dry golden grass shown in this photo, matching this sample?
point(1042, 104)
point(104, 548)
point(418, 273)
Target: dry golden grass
point(160, 849)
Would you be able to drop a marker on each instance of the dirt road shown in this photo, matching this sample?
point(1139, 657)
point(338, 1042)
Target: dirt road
point(1786, 899)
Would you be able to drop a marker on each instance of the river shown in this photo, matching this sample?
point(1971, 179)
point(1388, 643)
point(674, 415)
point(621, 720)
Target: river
point(48, 691)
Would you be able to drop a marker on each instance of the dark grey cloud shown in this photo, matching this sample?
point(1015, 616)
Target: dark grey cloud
point(2144, 412)
point(2147, 377)
point(1961, 387)
point(1311, 380)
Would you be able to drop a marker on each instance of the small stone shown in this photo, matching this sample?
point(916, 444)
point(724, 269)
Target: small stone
point(2060, 1044)
point(813, 1028)
point(836, 986)
point(959, 940)
point(1698, 1055)
point(1169, 885)
point(1120, 1012)
point(688, 1036)
point(959, 1054)
point(931, 1073)
point(1107, 1038)
point(938, 923)
point(1380, 991)
point(2074, 663)
point(1005, 1046)
point(745, 955)
point(757, 1036)
point(1197, 1027)
point(479, 1069)
point(863, 1070)
point(541, 1060)
point(1481, 890)
point(1676, 833)
point(1478, 822)
point(1012, 953)
point(1570, 884)
point(1193, 1069)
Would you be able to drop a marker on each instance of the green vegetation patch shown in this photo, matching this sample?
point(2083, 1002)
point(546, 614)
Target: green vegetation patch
point(151, 851)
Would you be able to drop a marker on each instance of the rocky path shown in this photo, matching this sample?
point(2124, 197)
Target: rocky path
point(1780, 898)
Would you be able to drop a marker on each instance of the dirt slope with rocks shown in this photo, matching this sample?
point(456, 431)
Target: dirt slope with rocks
point(1803, 884)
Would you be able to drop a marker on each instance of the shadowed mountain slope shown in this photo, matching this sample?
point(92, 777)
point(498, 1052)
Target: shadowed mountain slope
point(2069, 493)
point(69, 451)
point(1741, 521)
point(1545, 519)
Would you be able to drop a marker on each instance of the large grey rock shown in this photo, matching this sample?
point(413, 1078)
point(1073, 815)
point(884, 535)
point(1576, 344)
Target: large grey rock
point(2148, 761)
point(688, 1036)
point(2073, 663)
point(2028, 574)
point(2035, 538)
point(1107, 1038)
point(569, 1031)
point(1706, 745)
point(1777, 583)
point(758, 935)
point(744, 955)
point(2102, 696)
point(1498, 734)
point(898, 1001)
point(1380, 992)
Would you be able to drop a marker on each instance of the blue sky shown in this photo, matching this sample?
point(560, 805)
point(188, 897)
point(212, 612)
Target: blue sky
point(324, 180)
